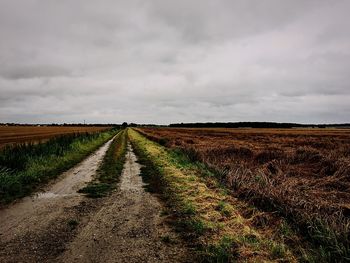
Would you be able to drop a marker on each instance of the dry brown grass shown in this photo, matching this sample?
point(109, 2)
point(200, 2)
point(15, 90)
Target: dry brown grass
point(23, 134)
point(304, 174)
point(207, 216)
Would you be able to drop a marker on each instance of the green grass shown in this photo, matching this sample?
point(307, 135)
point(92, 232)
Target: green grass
point(24, 168)
point(110, 169)
point(225, 251)
point(225, 208)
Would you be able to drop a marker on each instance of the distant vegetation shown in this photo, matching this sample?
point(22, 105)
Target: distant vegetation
point(193, 125)
point(26, 166)
point(61, 124)
point(254, 125)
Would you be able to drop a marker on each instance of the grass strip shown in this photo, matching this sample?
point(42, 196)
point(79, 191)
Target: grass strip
point(206, 215)
point(23, 168)
point(110, 169)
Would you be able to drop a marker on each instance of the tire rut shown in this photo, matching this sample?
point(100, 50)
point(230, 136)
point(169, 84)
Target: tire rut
point(61, 225)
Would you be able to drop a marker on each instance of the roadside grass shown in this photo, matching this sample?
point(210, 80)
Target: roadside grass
point(24, 168)
point(323, 239)
point(300, 176)
point(205, 214)
point(110, 169)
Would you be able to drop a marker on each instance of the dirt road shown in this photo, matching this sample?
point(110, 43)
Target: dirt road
point(60, 225)
point(127, 228)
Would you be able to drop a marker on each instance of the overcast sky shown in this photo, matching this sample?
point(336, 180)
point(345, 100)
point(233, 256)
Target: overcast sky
point(159, 61)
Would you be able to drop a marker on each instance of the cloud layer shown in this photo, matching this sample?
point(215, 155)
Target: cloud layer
point(162, 61)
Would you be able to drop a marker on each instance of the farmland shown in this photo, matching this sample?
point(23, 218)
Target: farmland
point(24, 134)
point(178, 195)
point(303, 175)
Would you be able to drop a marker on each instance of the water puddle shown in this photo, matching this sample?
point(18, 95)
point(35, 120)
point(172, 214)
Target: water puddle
point(48, 195)
point(130, 178)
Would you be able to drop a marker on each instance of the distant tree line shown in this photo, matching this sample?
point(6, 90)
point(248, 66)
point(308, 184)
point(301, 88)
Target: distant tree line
point(255, 125)
point(196, 125)
point(63, 124)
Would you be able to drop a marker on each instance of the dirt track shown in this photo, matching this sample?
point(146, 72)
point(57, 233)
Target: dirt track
point(60, 225)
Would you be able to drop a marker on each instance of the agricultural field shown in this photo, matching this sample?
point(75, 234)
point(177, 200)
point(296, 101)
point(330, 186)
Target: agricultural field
point(178, 195)
point(24, 134)
point(301, 175)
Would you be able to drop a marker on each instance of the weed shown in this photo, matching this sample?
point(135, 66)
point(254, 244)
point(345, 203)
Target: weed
point(278, 251)
point(225, 251)
point(285, 229)
point(197, 226)
point(189, 208)
point(72, 224)
point(250, 239)
point(225, 208)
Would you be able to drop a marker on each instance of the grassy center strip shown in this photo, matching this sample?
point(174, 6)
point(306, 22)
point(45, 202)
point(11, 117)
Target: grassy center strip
point(110, 169)
point(23, 168)
point(205, 214)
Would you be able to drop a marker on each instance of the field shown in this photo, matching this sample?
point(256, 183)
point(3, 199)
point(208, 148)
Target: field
point(302, 175)
point(23, 134)
point(176, 195)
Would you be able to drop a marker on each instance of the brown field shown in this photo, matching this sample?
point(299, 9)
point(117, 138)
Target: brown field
point(23, 134)
point(303, 174)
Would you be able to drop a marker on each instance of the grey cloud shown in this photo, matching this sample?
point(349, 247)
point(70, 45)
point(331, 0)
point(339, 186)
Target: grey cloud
point(219, 20)
point(164, 61)
point(33, 71)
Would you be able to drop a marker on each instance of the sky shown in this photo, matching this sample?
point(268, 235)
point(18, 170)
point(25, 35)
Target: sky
point(163, 61)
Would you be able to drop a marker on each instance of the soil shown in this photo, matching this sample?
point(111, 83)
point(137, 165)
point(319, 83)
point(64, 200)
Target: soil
point(61, 225)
